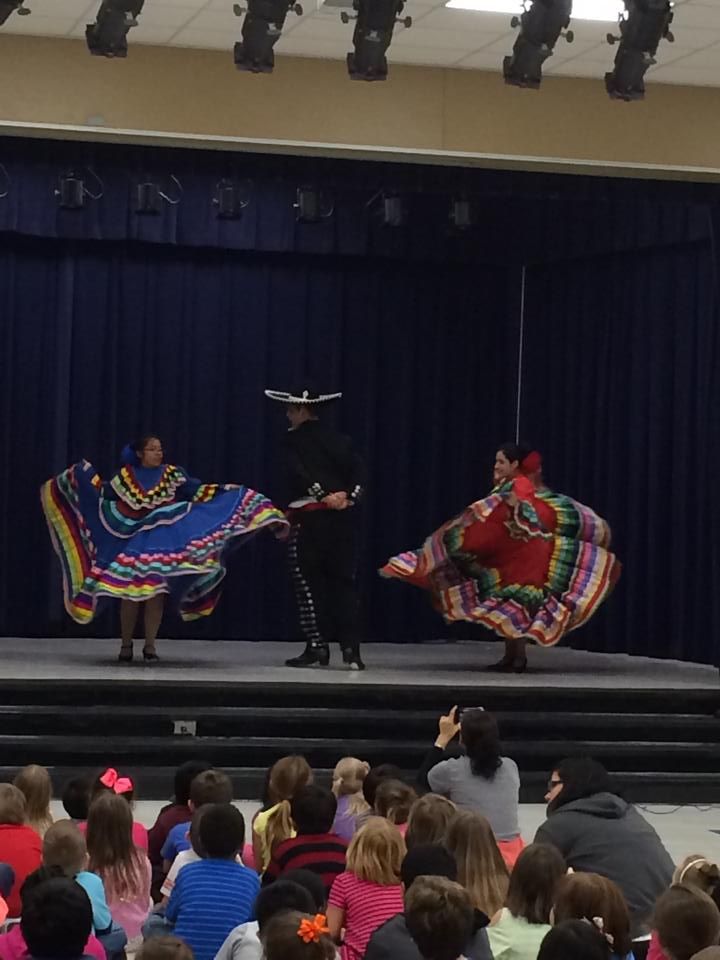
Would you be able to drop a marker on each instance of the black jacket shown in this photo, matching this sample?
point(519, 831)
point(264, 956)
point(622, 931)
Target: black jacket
point(392, 941)
point(319, 460)
point(604, 834)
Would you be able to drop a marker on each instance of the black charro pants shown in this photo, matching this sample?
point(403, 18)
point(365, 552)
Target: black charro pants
point(322, 563)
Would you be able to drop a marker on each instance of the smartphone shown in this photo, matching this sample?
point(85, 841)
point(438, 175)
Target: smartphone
point(461, 710)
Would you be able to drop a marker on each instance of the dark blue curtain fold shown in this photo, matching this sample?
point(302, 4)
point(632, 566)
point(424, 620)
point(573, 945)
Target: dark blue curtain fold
point(621, 390)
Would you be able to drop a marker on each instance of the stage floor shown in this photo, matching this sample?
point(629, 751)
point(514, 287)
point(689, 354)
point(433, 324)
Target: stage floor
point(431, 664)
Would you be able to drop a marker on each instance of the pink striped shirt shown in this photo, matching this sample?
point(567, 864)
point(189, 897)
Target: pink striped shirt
point(366, 907)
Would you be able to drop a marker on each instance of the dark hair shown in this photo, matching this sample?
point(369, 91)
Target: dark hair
point(33, 880)
point(281, 940)
point(584, 896)
point(312, 882)
point(574, 940)
point(211, 786)
point(581, 777)
point(687, 920)
point(427, 860)
point(533, 882)
point(222, 831)
point(376, 775)
point(98, 788)
point(76, 798)
point(394, 800)
point(57, 919)
point(184, 776)
point(194, 830)
point(164, 948)
point(313, 810)
point(142, 441)
point(481, 738)
point(515, 451)
point(439, 917)
point(430, 817)
point(279, 896)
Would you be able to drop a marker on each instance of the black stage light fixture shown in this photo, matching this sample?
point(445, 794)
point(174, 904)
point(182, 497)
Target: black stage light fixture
point(149, 195)
point(107, 37)
point(462, 215)
point(311, 206)
point(643, 25)
point(393, 211)
point(229, 200)
point(374, 24)
point(261, 30)
point(70, 191)
point(541, 23)
point(8, 7)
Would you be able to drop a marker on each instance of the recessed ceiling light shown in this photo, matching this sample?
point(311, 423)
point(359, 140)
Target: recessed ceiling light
point(605, 11)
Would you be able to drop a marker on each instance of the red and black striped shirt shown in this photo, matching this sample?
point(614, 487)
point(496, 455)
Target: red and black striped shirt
point(323, 853)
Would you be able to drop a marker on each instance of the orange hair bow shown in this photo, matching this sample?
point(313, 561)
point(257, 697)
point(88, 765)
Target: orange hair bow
point(113, 781)
point(311, 930)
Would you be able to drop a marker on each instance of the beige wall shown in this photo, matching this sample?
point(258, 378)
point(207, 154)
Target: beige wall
point(183, 91)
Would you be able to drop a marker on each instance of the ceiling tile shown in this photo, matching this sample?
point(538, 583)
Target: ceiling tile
point(164, 14)
point(40, 26)
point(303, 47)
point(439, 39)
point(205, 39)
point(483, 60)
point(491, 24)
point(322, 28)
point(694, 14)
point(59, 9)
point(151, 33)
point(430, 56)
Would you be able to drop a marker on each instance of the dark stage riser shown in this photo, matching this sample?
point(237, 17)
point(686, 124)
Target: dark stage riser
point(663, 744)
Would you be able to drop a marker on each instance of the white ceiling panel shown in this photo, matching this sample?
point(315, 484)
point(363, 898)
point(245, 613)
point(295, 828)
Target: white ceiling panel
point(440, 36)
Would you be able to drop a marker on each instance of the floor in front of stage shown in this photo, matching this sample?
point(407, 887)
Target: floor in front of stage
point(432, 664)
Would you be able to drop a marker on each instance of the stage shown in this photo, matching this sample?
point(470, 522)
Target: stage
point(70, 706)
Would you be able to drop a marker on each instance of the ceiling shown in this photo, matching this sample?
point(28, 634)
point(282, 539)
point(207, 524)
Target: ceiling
point(439, 36)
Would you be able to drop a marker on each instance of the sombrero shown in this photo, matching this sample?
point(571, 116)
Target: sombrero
point(301, 397)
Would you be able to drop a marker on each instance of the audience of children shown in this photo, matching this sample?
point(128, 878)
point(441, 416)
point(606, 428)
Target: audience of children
point(419, 880)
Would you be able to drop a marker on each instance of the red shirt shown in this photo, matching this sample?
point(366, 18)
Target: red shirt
point(168, 818)
point(366, 907)
point(321, 853)
point(21, 848)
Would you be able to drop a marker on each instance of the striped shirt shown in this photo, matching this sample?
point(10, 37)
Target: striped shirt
point(209, 899)
point(366, 906)
point(322, 853)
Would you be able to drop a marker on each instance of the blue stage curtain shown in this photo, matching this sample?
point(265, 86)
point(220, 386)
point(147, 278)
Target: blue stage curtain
point(104, 341)
point(621, 392)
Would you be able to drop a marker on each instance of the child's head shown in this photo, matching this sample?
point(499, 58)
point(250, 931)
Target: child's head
point(194, 831)
point(280, 897)
point(375, 776)
point(287, 776)
point(222, 831)
point(349, 776)
point(430, 817)
point(57, 919)
point(12, 805)
point(481, 868)
point(687, 921)
point(699, 872)
point(36, 786)
point(210, 786)
point(110, 782)
point(439, 917)
point(393, 800)
point(164, 948)
point(297, 936)
point(429, 860)
point(376, 852)
point(34, 879)
point(574, 940)
point(76, 798)
point(184, 776)
point(112, 852)
point(64, 846)
point(585, 896)
point(313, 883)
point(313, 810)
point(533, 882)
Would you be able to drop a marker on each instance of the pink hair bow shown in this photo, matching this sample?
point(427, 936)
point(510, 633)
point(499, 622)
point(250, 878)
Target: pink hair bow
point(113, 781)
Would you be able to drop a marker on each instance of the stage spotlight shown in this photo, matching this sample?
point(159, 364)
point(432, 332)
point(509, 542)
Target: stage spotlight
point(643, 25)
point(393, 213)
point(311, 206)
point(261, 30)
point(71, 190)
point(375, 21)
point(149, 196)
point(541, 23)
point(462, 214)
point(107, 37)
point(229, 200)
point(8, 7)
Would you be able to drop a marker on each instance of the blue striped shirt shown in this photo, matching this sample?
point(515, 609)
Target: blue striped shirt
point(210, 898)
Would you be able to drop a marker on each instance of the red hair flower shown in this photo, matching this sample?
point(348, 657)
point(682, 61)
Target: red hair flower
point(311, 930)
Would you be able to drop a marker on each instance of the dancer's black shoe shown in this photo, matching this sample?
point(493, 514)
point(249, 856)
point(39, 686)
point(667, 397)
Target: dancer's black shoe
point(126, 653)
point(150, 655)
point(313, 656)
point(519, 665)
point(502, 666)
point(352, 659)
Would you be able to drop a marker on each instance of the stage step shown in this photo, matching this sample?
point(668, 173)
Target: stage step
point(663, 744)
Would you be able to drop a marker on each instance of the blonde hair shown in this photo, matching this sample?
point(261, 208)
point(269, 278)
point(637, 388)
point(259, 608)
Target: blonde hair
point(348, 778)
point(287, 776)
point(35, 784)
point(481, 868)
point(64, 847)
point(12, 804)
point(376, 852)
